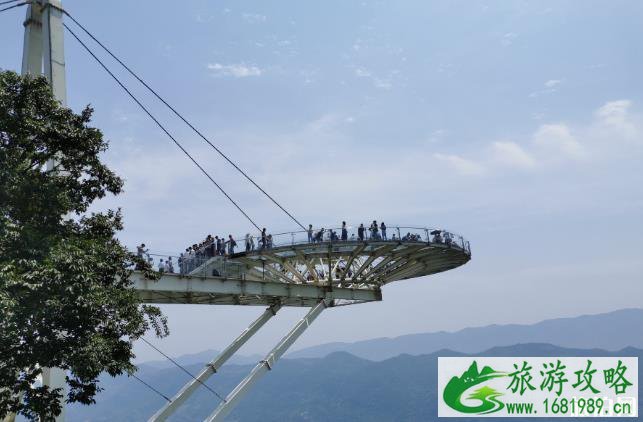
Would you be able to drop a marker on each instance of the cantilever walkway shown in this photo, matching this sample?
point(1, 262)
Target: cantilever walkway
point(296, 272)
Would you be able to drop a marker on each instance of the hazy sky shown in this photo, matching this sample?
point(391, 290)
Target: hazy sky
point(518, 124)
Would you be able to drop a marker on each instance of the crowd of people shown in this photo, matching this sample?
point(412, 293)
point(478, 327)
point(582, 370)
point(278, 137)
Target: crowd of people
point(377, 232)
point(196, 254)
point(211, 246)
point(373, 232)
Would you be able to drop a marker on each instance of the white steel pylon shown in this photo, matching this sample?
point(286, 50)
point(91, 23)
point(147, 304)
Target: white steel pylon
point(226, 406)
point(43, 50)
point(214, 365)
point(44, 53)
point(265, 365)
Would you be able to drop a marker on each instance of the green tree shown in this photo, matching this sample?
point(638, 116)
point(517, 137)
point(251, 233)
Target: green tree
point(65, 296)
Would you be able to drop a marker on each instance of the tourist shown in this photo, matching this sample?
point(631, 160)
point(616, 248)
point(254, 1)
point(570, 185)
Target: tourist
point(448, 239)
point(220, 246)
point(264, 239)
point(383, 229)
point(374, 230)
point(248, 242)
point(231, 245)
point(181, 262)
point(310, 233)
point(320, 235)
point(141, 251)
point(344, 231)
point(360, 232)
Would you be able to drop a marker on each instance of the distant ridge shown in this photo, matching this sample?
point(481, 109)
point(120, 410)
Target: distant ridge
point(609, 331)
point(338, 387)
point(200, 358)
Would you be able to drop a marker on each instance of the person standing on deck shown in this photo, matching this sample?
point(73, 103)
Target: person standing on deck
point(374, 230)
point(264, 238)
point(248, 242)
point(231, 245)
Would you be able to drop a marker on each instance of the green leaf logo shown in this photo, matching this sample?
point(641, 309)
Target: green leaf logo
point(488, 397)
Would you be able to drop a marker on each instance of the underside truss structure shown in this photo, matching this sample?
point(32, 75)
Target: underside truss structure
point(316, 275)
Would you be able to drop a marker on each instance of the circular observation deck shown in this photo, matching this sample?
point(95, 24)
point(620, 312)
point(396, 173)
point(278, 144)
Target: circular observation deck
point(293, 269)
point(354, 259)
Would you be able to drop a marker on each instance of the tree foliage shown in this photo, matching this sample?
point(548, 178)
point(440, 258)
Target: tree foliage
point(65, 296)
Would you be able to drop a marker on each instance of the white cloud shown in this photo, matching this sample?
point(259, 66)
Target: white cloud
point(461, 165)
point(382, 83)
point(437, 136)
point(254, 17)
point(552, 83)
point(550, 87)
point(377, 82)
point(557, 141)
point(362, 73)
point(615, 117)
point(235, 70)
point(614, 111)
point(512, 155)
point(202, 18)
point(508, 38)
point(613, 128)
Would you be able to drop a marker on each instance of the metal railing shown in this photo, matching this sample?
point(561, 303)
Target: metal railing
point(359, 233)
point(353, 234)
point(199, 264)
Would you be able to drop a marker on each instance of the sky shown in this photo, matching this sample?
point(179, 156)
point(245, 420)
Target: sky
point(518, 124)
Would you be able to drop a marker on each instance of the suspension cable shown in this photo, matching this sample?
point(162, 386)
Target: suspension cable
point(150, 387)
point(180, 116)
point(151, 116)
point(14, 6)
point(183, 369)
point(8, 1)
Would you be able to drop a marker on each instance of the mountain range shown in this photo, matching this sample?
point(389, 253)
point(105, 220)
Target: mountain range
point(339, 387)
point(390, 379)
point(583, 332)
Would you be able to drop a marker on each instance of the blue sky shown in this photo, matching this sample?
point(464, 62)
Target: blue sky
point(518, 124)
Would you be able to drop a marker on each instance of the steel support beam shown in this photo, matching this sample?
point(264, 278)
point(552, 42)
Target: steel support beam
point(309, 265)
point(266, 365)
point(376, 254)
point(213, 366)
point(177, 289)
point(354, 255)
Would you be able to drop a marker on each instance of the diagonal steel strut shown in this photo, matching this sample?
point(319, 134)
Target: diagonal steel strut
point(213, 366)
point(266, 365)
